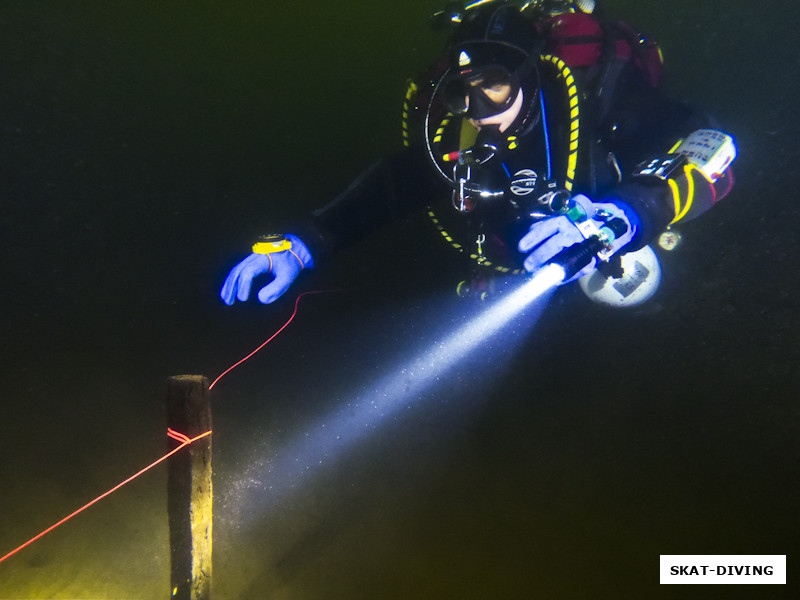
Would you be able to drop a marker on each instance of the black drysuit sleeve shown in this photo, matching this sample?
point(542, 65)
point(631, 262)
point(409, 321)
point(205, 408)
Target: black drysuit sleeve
point(645, 123)
point(391, 188)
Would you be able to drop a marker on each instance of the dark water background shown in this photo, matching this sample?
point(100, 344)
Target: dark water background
point(144, 144)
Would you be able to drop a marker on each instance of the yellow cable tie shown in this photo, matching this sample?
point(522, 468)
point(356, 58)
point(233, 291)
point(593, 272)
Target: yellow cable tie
point(687, 169)
point(676, 199)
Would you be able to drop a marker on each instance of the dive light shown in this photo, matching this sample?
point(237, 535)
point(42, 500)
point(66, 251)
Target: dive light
point(576, 257)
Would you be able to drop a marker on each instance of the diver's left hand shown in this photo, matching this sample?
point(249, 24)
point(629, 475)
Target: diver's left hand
point(284, 266)
point(550, 236)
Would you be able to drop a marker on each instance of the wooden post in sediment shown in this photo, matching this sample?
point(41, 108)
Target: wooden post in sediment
point(189, 490)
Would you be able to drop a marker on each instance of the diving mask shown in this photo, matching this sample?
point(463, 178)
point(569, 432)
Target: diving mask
point(483, 95)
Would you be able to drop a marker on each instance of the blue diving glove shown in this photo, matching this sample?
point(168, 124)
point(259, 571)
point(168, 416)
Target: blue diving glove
point(281, 256)
point(550, 236)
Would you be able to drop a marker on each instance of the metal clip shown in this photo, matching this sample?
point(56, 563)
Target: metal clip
point(461, 198)
point(480, 241)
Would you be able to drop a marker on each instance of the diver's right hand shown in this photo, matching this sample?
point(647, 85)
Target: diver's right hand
point(284, 265)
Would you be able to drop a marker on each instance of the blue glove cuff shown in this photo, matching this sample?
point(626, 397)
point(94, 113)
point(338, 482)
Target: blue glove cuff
point(634, 222)
point(301, 251)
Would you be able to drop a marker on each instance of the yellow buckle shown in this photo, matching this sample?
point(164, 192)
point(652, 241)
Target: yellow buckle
point(267, 244)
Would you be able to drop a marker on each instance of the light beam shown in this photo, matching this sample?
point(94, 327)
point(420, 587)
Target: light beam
point(330, 436)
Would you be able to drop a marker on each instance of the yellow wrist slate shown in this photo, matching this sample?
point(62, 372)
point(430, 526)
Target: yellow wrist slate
point(267, 244)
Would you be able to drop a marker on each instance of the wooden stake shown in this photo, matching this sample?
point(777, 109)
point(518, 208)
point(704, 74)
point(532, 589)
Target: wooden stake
point(189, 489)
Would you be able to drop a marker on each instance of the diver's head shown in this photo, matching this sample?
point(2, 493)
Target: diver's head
point(493, 78)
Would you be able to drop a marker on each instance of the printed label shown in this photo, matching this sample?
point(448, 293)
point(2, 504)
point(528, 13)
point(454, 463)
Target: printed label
point(723, 568)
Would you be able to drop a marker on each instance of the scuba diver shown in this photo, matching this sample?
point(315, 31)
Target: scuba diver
point(542, 127)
